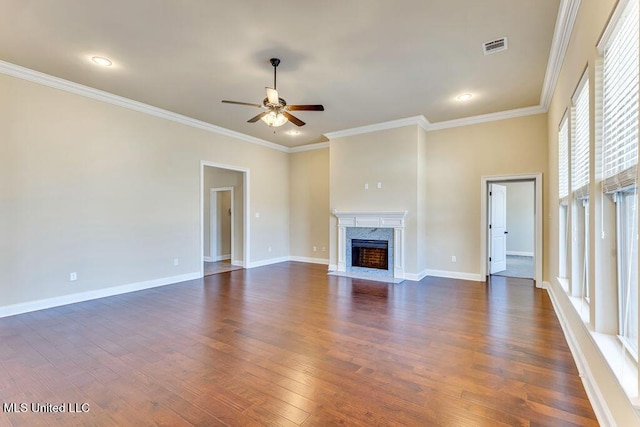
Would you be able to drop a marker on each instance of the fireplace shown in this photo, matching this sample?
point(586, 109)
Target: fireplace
point(370, 253)
point(382, 251)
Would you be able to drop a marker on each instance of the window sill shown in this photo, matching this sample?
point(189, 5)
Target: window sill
point(582, 308)
point(621, 363)
point(564, 283)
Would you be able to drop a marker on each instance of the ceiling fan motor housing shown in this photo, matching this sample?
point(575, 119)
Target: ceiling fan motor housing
point(281, 103)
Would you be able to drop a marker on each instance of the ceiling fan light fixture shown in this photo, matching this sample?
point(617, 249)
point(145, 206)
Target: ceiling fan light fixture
point(273, 119)
point(464, 97)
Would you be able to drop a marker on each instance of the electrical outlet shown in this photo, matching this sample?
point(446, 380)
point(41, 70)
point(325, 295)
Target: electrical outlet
point(379, 185)
point(315, 249)
point(269, 248)
point(257, 214)
point(324, 249)
point(73, 276)
point(453, 258)
point(366, 186)
point(176, 262)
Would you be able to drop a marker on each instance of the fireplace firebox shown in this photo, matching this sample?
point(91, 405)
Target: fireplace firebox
point(370, 253)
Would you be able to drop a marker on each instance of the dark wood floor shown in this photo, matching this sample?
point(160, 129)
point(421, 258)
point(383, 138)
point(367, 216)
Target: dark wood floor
point(287, 345)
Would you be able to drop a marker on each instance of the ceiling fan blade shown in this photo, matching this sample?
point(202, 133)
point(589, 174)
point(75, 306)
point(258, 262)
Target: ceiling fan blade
point(241, 103)
point(305, 107)
point(272, 96)
point(258, 117)
point(293, 119)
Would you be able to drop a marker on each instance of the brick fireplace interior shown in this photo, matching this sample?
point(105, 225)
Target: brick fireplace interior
point(370, 253)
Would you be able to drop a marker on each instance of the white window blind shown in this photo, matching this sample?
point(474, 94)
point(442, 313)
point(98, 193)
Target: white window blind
point(563, 160)
point(580, 140)
point(620, 102)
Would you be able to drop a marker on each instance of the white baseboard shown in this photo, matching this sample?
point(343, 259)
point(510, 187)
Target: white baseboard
point(520, 253)
point(455, 275)
point(237, 262)
point(323, 261)
point(333, 267)
point(268, 262)
point(207, 259)
point(26, 307)
point(415, 277)
point(591, 387)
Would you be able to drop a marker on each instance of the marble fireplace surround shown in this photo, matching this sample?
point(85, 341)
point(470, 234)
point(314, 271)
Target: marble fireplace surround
point(372, 219)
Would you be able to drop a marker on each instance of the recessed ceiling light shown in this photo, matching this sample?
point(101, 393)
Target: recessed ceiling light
point(293, 132)
point(102, 61)
point(464, 97)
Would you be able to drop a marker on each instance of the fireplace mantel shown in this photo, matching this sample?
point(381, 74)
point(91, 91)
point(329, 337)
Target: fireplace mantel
point(373, 219)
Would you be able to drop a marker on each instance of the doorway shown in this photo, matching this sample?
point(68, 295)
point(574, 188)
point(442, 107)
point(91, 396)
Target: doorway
point(224, 218)
point(518, 216)
point(221, 232)
point(512, 227)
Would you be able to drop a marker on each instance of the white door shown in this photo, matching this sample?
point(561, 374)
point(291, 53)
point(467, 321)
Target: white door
point(498, 228)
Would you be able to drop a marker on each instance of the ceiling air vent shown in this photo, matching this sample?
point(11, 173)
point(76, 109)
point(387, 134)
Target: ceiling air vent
point(494, 46)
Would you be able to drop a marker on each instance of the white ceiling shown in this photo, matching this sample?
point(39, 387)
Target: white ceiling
point(366, 61)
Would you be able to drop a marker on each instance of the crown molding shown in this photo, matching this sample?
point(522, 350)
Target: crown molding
point(567, 14)
point(427, 126)
point(491, 117)
point(99, 95)
point(309, 147)
point(393, 124)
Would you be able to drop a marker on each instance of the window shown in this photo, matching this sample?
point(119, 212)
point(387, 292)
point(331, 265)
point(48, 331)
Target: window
point(580, 139)
point(563, 193)
point(628, 269)
point(619, 161)
point(563, 161)
point(580, 187)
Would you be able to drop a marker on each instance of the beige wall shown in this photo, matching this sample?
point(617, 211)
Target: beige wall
point(436, 177)
point(218, 178)
point(457, 159)
point(309, 210)
point(422, 201)
point(113, 194)
point(388, 157)
point(520, 217)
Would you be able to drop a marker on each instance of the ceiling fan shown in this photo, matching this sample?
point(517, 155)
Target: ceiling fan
point(277, 109)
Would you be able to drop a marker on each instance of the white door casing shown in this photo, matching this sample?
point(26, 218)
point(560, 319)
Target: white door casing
point(498, 227)
point(246, 208)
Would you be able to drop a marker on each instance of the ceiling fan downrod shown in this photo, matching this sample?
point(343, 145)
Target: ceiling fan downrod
point(275, 62)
